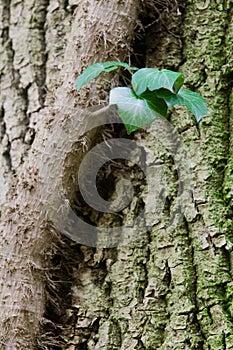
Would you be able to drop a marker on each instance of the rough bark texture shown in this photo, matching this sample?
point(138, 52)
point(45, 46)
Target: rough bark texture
point(45, 45)
point(172, 288)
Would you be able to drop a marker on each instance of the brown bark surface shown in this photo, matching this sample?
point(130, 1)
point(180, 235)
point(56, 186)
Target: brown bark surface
point(44, 46)
point(172, 288)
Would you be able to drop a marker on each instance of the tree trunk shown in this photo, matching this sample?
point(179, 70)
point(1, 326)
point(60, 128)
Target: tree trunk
point(171, 286)
point(45, 46)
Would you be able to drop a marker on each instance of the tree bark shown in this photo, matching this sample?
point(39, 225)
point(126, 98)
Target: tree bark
point(172, 287)
point(57, 44)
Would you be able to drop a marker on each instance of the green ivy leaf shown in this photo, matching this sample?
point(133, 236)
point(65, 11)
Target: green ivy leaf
point(115, 64)
point(158, 104)
point(153, 79)
point(135, 111)
point(96, 69)
point(89, 73)
point(192, 100)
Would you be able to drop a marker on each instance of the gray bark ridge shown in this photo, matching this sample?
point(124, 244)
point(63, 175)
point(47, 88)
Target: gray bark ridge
point(42, 42)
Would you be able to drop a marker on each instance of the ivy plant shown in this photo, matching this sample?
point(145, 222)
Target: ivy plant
point(152, 92)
